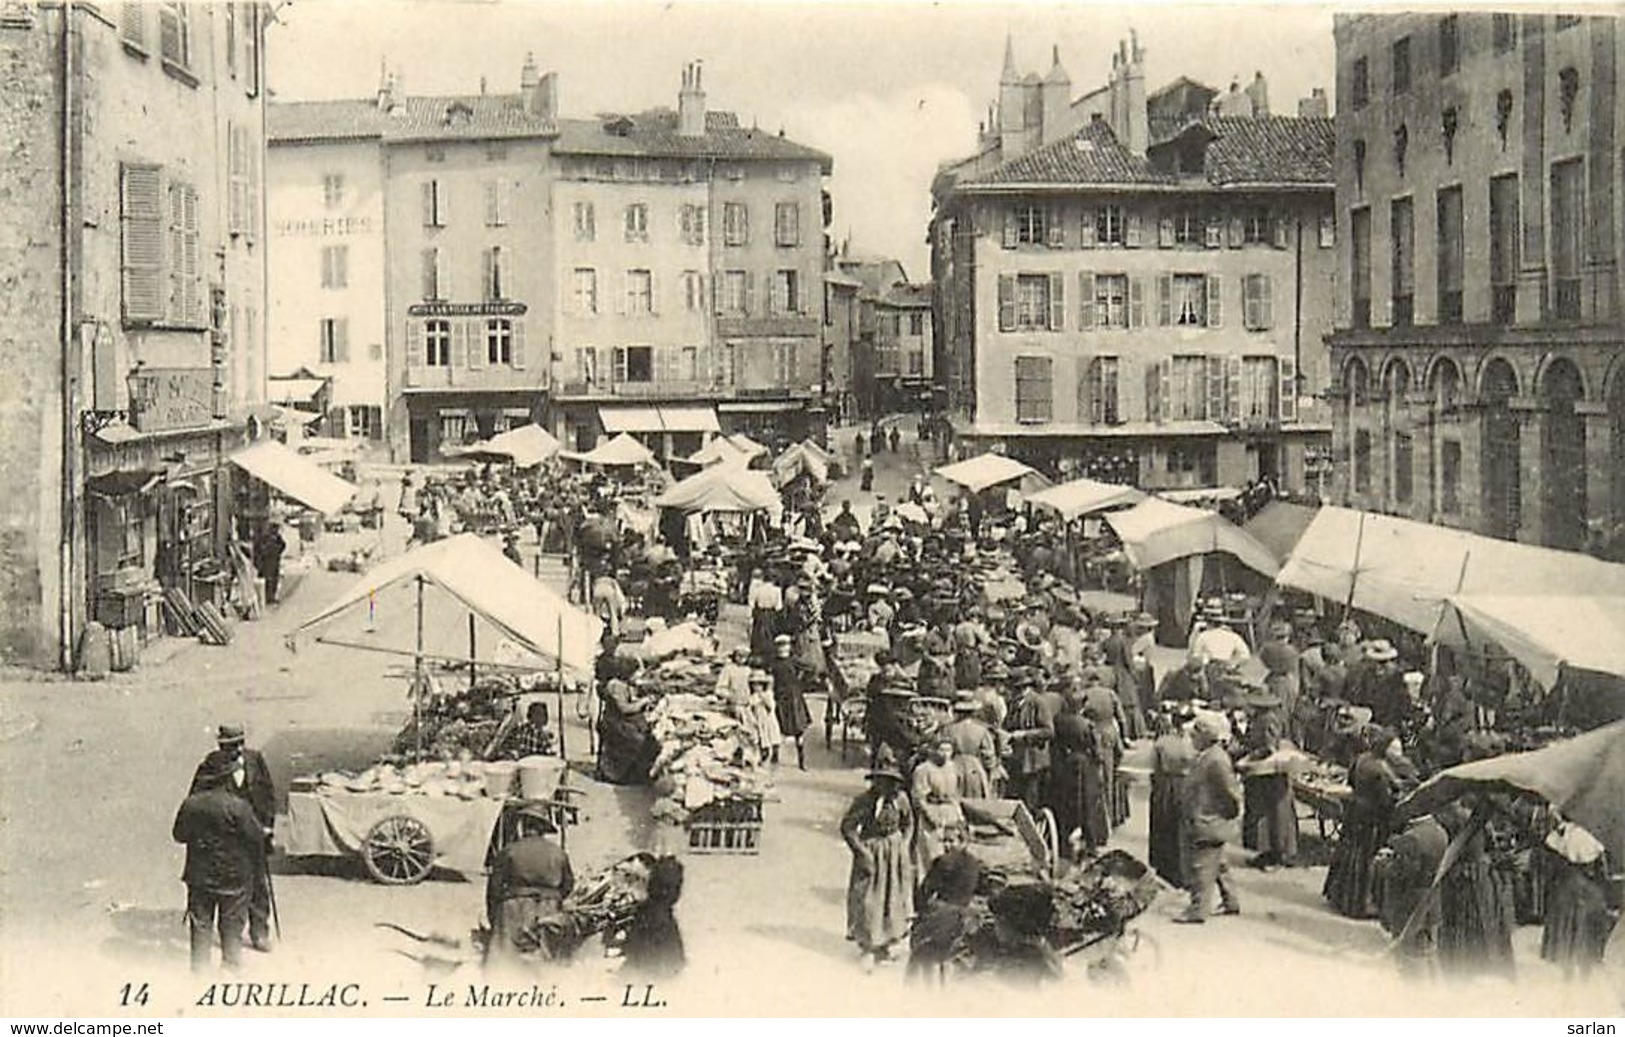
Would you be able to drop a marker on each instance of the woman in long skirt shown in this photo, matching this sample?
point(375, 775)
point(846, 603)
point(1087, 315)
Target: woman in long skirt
point(1366, 827)
point(790, 699)
point(1171, 757)
point(938, 813)
point(1476, 905)
point(1578, 921)
point(879, 830)
point(1269, 818)
point(1077, 794)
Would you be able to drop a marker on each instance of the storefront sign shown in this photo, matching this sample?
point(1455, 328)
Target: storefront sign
point(467, 309)
point(330, 227)
point(171, 398)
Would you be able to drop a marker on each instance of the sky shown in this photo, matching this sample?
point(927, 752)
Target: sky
point(890, 90)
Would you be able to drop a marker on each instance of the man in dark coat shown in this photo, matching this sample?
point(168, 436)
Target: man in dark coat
point(268, 550)
point(250, 780)
point(529, 880)
point(1212, 801)
point(225, 853)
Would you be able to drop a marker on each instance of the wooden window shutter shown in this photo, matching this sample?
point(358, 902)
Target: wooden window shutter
point(461, 333)
point(1165, 232)
point(1007, 302)
point(132, 20)
point(1165, 377)
point(1010, 228)
point(1266, 303)
point(1081, 366)
point(1282, 221)
point(1087, 229)
point(416, 332)
point(190, 296)
point(1215, 232)
point(1214, 383)
point(518, 343)
point(1136, 302)
point(1232, 388)
point(234, 194)
point(141, 210)
point(488, 274)
point(1287, 399)
point(428, 203)
point(1057, 302)
point(750, 292)
point(1165, 299)
point(1134, 230)
point(1086, 300)
point(431, 275)
point(341, 340)
point(478, 352)
point(1215, 301)
point(1153, 397)
point(1249, 302)
point(716, 294)
point(1056, 232)
point(493, 204)
point(175, 251)
point(654, 292)
point(1238, 232)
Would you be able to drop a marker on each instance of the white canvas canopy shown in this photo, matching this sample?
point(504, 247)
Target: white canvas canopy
point(295, 476)
point(1156, 531)
point(1404, 570)
point(725, 449)
point(483, 580)
point(1545, 633)
point(799, 459)
point(621, 452)
point(722, 488)
point(527, 446)
point(987, 470)
point(1080, 497)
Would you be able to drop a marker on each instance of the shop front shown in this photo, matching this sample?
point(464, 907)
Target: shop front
point(438, 421)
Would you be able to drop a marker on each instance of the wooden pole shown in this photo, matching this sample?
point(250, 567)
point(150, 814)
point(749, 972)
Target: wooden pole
point(473, 646)
point(417, 679)
point(559, 686)
point(1354, 572)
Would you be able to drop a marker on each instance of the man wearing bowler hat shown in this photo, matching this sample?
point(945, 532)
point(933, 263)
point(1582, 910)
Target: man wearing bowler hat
point(225, 856)
point(250, 780)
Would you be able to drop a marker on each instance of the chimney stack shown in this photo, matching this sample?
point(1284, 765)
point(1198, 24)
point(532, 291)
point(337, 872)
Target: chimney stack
point(547, 97)
point(1235, 104)
point(529, 82)
point(1314, 106)
point(386, 87)
point(1258, 92)
point(691, 102)
point(1130, 121)
point(1055, 99)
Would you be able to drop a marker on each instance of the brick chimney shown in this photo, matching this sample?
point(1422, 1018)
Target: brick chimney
point(529, 83)
point(386, 88)
point(691, 102)
point(1258, 92)
point(1314, 106)
point(1129, 119)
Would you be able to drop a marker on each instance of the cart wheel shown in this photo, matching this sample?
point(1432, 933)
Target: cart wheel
point(398, 851)
point(1052, 845)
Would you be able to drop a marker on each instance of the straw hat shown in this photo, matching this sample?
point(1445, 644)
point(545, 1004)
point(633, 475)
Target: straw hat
point(1381, 650)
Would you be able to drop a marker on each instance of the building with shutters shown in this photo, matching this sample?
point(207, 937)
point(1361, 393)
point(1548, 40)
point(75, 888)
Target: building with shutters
point(656, 273)
point(1477, 354)
point(1137, 285)
point(133, 298)
point(903, 361)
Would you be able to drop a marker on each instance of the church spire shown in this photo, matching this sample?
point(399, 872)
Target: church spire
point(1010, 75)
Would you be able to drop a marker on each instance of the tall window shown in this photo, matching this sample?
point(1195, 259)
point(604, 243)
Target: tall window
point(787, 224)
point(1034, 389)
point(1109, 225)
point(1568, 229)
point(1111, 300)
point(735, 292)
point(1402, 65)
point(251, 44)
point(335, 266)
point(1189, 227)
point(586, 290)
point(688, 364)
point(1505, 34)
point(1257, 303)
point(499, 341)
point(1504, 229)
point(435, 285)
point(916, 324)
point(437, 343)
point(1362, 461)
point(1100, 386)
point(586, 223)
point(1452, 256)
point(494, 273)
point(1450, 476)
point(1402, 229)
point(496, 203)
point(637, 222)
point(1032, 301)
point(1404, 468)
point(1187, 389)
point(1360, 265)
point(639, 292)
point(1449, 44)
point(634, 363)
point(1190, 300)
point(333, 190)
point(434, 204)
point(1032, 224)
point(786, 292)
point(1258, 227)
point(691, 224)
point(175, 33)
point(1360, 84)
point(735, 223)
point(1259, 384)
point(335, 340)
point(162, 271)
point(693, 291)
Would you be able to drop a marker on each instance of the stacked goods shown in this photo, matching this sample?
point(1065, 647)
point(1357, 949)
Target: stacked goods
point(855, 655)
point(457, 722)
point(464, 779)
point(706, 756)
point(1323, 777)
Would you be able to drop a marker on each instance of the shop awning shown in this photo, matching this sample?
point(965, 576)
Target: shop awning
point(1085, 496)
point(759, 406)
point(630, 419)
point(1209, 493)
point(295, 476)
point(1155, 531)
point(124, 483)
point(1404, 570)
point(689, 419)
point(980, 473)
point(1545, 633)
point(477, 574)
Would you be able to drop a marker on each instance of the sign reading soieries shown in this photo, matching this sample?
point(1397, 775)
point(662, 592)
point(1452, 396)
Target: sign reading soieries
point(165, 398)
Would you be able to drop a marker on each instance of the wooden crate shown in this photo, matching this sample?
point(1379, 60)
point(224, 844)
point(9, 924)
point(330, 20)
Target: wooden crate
point(733, 826)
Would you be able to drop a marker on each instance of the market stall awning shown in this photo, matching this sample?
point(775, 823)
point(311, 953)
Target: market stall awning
point(1404, 570)
point(622, 451)
point(124, 483)
point(688, 419)
point(1155, 531)
point(728, 487)
point(979, 473)
point(295, 476)
point(477, 574)
point(1085, 496)
point(1208, 493)
point(1583, 777)
point(630, 419)
point(798, 459)
point(727, 449)
point(1279, 525)
point(1544, 633)
point(526, 446)
point(294, 390)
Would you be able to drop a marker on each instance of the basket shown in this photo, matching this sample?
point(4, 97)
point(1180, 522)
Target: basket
point(726, 826)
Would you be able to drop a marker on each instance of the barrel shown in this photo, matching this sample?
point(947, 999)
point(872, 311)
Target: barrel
point(95, 652)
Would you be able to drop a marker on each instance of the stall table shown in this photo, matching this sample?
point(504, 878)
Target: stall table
point(399, 837)
point(1325, 800)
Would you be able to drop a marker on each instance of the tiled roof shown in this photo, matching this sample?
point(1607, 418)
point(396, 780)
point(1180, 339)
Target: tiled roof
point(1271, 150)
point(473, 117)
point(655, 134)
point(1277, 149)
point(323, 120)
point(1091, 156)
point(910, 296)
